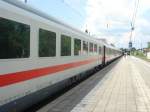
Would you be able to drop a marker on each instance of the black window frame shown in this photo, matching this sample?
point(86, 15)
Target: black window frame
point(76, 51)
point(69, 48)
point(85, 47)
point(100, 50)
point(52, 35)
point(15, 39)
point(91, 47)
point(95, 48)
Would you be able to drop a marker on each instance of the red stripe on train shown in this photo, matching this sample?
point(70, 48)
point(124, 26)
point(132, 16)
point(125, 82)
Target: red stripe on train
point(12, 78)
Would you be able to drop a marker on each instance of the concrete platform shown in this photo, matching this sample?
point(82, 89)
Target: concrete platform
point(123, 86)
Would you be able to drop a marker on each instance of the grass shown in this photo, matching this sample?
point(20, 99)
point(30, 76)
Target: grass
point(140, 55)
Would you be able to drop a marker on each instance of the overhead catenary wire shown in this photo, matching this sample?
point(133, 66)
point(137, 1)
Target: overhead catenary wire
point(134, 14)
point(133, 20)
point(80, 15)
point(72, 8)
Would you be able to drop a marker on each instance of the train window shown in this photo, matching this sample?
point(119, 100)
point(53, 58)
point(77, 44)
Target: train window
point(14, 39)
point(47, 43)
point(106, 50)
point(85, 47)
point(100, 50)
point(65, 45)
point(95, 47)
point(110, 50)
point(91, 47)
point(77, 46)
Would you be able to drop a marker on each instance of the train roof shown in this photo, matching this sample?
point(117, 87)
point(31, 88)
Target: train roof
point(29, 8)
point(21, 5)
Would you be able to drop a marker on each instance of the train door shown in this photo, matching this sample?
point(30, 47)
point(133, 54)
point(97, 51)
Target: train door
point(103, 55)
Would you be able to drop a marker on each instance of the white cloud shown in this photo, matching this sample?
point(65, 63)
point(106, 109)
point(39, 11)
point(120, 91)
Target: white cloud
point(111, 19)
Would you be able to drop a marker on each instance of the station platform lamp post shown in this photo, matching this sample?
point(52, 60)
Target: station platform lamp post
point(130, 42)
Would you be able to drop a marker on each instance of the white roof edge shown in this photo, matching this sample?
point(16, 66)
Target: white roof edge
point(21, 5)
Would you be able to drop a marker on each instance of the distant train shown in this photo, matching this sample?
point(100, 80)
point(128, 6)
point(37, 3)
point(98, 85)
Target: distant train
point(40, 55)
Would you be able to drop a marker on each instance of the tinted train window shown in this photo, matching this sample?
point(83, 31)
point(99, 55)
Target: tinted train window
point(95, 48)
point(47, 43)
point(85, 47)
point(65, 45)
point(106, 50)
point(14, 39)
point(100, 50)
point(77, 46)
point(110, 51)
point(91, 47)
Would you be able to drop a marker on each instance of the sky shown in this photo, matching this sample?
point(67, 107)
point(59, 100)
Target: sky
point(109, 19)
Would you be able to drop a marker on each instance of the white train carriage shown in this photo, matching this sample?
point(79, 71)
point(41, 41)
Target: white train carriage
point(40, 55)
point(111, 53)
